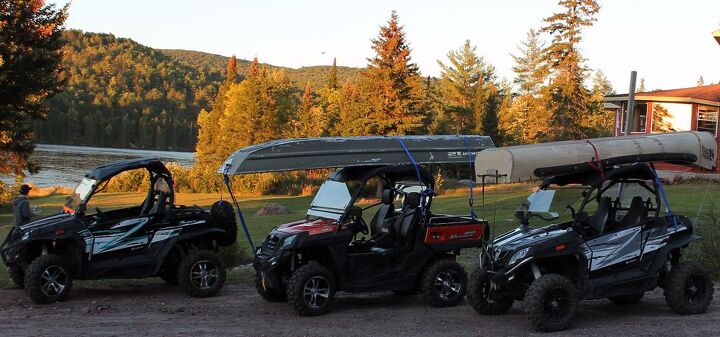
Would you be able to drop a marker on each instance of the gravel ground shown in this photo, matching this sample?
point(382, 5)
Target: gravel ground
point(155, 309)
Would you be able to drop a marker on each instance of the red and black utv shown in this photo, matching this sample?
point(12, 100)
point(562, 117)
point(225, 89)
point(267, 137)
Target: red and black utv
point(351, 241)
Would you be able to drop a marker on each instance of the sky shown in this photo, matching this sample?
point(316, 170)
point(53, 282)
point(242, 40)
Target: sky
point(668, 42)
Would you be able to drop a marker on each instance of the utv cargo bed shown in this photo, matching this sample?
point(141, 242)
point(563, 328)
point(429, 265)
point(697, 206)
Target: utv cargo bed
point(525, 162)
point(329, 152)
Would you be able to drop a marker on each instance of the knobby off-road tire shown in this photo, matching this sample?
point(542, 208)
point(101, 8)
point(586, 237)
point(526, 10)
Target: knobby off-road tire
point(311, 289)
point(267, 293)
point(224, 216)
point(689, 288)
point(479, 295)
point(48, 279)
point(444, 283)
point(551, 302)
point(17, 275)
point(201, 273)
point(627, 299)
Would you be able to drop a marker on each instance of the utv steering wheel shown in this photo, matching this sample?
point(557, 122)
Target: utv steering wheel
point(363, 226)
point(572, 210)
point(100, 213)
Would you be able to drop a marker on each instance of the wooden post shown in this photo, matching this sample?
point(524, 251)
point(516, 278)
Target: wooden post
point(630, 109)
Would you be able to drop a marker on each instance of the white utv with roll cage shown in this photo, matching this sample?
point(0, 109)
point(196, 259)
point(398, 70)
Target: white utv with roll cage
point(613, 234)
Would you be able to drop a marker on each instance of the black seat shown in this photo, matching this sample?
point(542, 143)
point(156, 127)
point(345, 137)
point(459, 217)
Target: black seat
point(384, 212)
point(405, 225)
point(636, 214)
point(601, 216)
point(160, 204)
point(402, 228)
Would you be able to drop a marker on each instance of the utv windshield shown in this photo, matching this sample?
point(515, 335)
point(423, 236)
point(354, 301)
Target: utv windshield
point(554, 202)
point(330, 201)
point(80, 194)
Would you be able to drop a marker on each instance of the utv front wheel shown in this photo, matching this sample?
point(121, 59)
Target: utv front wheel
point(311, 290)
point(266, 292)
point(689, 288)
point(444, 283)
point(551, 302)
point(482, 298)
point(47, 279)
point(201, 273)
point(17, 275)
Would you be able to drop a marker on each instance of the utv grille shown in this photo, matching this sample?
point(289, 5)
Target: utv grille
point(270, 244)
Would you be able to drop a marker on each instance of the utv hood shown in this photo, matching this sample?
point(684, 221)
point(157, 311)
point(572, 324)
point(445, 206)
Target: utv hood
point(55, 220)
point(524, 237)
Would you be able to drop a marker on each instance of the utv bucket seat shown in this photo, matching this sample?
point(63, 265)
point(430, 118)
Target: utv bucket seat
point(600, 218)
point(636, 214)
point(384, 212)
point(402, 228)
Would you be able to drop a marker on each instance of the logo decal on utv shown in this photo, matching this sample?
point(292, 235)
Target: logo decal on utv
point(465, 235)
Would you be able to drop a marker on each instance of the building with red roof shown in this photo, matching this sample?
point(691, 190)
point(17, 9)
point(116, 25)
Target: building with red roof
point(685, 109)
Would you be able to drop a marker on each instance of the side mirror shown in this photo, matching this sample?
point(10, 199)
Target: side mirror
point(355, 211)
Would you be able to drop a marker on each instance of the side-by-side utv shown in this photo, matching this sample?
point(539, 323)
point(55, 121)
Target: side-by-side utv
point(155, 238)
point(349, 240)
point(594, 229)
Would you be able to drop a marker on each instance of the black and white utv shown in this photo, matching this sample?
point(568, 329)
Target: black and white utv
point(611, 235)
point(156, 238)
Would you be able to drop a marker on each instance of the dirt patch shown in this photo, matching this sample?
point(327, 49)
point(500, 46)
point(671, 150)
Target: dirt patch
point(155, 309)
point(273, 209)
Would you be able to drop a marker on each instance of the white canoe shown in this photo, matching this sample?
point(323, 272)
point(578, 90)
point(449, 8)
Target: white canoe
point(525, 162)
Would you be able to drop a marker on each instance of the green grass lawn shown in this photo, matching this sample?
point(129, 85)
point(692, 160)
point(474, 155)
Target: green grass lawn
point(500, 205)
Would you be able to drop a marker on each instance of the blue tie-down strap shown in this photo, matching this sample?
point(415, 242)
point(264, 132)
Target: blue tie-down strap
point(240, 215)
point(428, 190)
point(471, 200)
point(661, 190)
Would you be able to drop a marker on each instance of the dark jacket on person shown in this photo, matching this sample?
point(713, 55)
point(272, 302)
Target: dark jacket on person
point(21, 211)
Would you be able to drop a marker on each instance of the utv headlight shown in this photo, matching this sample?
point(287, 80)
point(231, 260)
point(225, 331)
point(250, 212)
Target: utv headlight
point(289, 241)
point(518, 255)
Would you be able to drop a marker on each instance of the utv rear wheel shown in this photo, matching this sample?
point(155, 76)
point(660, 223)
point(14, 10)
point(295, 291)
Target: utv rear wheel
point(482, 298)
point(311, 289)
point(224, 216)
point(47, 279)
point(689, 288)
point(17, 275)
point(551, 302)
point(201, 273)
point(627, 299)
point(267, 293)
point(444, 283)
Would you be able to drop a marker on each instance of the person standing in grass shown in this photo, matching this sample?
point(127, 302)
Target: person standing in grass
point(22, 213)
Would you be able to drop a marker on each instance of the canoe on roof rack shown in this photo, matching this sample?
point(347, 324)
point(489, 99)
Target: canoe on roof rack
point(525, 162)
point(334, 152)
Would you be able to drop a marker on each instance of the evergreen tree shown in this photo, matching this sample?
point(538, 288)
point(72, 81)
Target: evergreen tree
point(30, 56)
point(392, 84)
point(641, 87)
point(526, 118)
point(599, 122)
point(333, 78)
point(256, 110)
point(465, 86)
point(568, 99)
point(209, 136)
point(310, 120)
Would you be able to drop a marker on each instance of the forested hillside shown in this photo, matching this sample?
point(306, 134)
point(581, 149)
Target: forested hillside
point(316, 75)
point(119, 93)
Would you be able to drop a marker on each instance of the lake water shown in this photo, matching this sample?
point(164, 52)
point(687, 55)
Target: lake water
point(64, 165)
